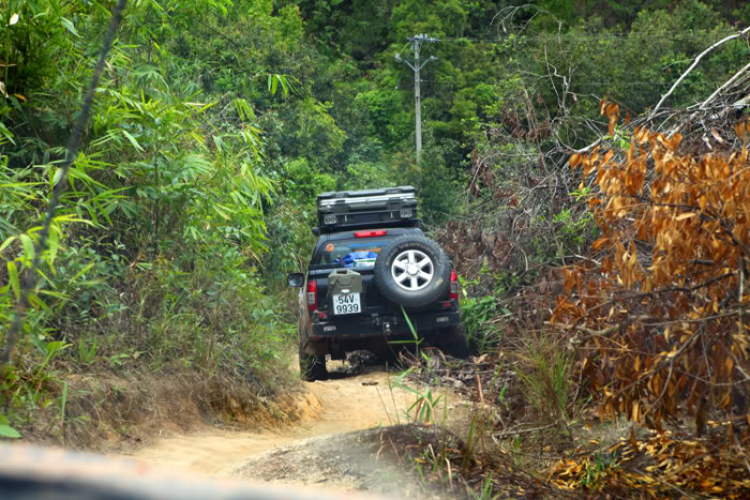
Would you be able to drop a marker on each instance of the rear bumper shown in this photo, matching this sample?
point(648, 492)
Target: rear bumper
point(363, 326)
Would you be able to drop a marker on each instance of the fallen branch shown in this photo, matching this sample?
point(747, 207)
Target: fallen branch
point(589, 147)
point(726, 85)
point(704, 106)
point(502, 435)
point(692, 66)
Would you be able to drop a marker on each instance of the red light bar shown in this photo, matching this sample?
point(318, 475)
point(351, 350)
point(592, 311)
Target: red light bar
point(369, 234)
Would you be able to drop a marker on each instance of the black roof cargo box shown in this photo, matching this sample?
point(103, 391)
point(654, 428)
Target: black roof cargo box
point(341, 210)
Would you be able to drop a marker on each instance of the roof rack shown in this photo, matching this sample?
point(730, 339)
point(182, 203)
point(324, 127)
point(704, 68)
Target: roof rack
point(342, 210)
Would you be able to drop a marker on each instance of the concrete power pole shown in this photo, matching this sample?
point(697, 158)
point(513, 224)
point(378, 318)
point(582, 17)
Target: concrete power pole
point(416, 42)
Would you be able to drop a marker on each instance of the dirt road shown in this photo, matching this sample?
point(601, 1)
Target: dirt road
point(284, 455)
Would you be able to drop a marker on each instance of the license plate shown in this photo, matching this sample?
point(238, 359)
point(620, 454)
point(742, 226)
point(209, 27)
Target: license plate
point(346, 303)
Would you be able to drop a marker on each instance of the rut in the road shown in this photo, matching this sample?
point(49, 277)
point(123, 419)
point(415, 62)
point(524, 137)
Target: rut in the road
point(335, 406)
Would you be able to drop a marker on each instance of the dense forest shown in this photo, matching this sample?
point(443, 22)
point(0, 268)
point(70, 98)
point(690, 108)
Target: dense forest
point(216, 122)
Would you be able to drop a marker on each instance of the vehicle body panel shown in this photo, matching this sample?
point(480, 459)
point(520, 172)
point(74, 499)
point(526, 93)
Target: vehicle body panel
point(379, 319)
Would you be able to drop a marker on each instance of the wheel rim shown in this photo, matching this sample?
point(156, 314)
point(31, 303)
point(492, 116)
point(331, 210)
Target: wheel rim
point(412, 270)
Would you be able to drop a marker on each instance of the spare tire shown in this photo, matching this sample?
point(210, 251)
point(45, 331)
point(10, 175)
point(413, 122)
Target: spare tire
point(412, 271)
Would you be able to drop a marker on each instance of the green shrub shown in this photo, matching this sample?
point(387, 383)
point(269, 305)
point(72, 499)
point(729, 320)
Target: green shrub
point(547, 375)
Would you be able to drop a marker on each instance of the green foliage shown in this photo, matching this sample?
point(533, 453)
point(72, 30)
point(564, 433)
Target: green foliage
point(574, 232)
point(486, 492)
point(547, 375)
point(152, 258)
point(476, 314)
point(426, 402)
point(595, 471)
point(415, 339)
point(315, 133)
point(6, 431)
point(383, 109)
point(437, 187)
point(194, 189)
point(86, 351)
point(440, 18)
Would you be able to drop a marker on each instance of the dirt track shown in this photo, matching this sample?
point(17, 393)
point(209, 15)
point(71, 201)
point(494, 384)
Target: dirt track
point(337, 406)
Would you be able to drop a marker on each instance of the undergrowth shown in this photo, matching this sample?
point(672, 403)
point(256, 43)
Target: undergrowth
point(152, 267)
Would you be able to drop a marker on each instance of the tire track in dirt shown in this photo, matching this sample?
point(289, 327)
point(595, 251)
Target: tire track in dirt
point(339, 405)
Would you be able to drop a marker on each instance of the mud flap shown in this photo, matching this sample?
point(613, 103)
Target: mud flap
point(307, 346)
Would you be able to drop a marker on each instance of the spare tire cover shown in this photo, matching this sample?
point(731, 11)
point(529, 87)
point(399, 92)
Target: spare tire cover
point(413, 271)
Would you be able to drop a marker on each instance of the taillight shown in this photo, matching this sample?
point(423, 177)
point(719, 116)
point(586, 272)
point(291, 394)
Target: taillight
point(312, 295)
point(369, 234)
point(453, 295)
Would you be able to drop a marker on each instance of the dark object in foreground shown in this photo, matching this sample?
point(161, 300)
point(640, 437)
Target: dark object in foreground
point(36, 473)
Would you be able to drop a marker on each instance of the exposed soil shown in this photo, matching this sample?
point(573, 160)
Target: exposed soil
point(373, 460)
point(304, 452)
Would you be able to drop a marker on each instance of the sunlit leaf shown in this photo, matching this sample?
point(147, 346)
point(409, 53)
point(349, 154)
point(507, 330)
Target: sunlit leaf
point(28, 247)
point(13, 279)
point(7, 242)
point(7, 431)
point(682, 217)
point(132, 140)
point(575, 160)
point(69, 26)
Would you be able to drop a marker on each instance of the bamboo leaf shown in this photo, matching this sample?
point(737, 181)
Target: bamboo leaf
point(15, 284)
point(57, 295)
point(132, 140)
point(57, 176)
point(71, 218)
point(7, 431)
point(28, 247)
point(69, 26)
point(220, 212)
point(218, 143)
point(82, 272)
point(7, 242)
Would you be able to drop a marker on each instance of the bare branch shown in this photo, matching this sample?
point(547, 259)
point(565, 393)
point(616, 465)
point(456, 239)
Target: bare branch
point(726, 85)
point(692, 66)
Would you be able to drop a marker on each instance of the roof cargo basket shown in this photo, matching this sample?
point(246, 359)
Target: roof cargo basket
point(342, 210)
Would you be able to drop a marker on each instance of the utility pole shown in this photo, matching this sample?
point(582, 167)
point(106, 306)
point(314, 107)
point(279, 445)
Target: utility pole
point(416, 42)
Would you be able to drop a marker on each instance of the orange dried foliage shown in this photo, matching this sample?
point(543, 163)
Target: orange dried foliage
point(660, 464)
point(660, 321)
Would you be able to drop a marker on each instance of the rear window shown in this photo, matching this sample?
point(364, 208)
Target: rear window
point(356, 253)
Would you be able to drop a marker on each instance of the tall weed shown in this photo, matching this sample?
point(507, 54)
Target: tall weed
point(547, 375)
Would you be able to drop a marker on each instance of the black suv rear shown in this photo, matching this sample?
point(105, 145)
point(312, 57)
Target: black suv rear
point(372, 271)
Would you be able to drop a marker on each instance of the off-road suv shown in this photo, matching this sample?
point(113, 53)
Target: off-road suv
point(372, 272)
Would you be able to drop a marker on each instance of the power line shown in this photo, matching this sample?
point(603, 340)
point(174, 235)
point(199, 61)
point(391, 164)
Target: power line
point(673, 34)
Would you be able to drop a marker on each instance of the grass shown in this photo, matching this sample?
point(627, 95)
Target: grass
point(546, 372)
point(526, 416)
point(597, 470)
point(426, 400)
point(100, 410)
point(234, 345)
